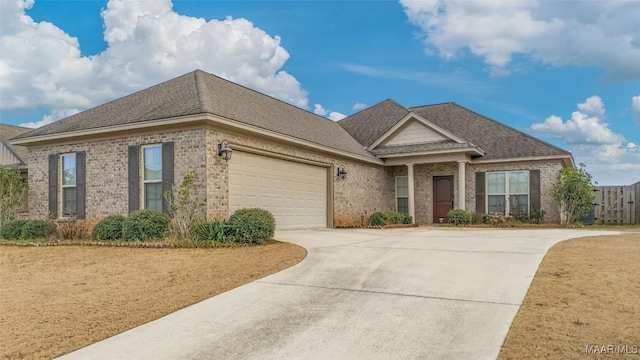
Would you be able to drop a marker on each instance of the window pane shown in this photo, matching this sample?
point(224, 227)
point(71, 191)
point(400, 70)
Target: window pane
point(402, 189)
point(69, 201)
point(519, 205)
point(496, 204)
point(495, 183)
point(153, 196)
point(519, 182)
point(403, 205)
point(153, 163)
point(69, 169)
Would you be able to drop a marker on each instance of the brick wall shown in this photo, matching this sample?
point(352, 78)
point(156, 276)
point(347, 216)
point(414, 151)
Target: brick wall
point(548, 172)
point(106, 169)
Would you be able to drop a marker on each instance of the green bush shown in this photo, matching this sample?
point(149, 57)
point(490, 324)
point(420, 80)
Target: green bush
point(250, 226)
point(145, 225)
point(12, 229)
point(459, 217)
point(34, 229)
point(377, 219)
point(389, 217)
point(210, 231)
point(109, 228)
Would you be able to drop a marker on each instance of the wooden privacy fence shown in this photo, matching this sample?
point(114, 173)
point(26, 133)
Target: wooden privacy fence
point(617, 204)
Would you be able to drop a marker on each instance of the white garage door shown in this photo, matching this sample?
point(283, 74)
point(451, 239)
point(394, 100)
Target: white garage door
point(295, 193)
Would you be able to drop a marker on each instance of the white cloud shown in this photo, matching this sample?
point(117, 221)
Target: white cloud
point(319, 110)
point(610, 158)
point(55, 115)
point(147, 42)
point(336, 116)
point(358, 106)
point(635, 107)
point(586, 125)
point(603, 33)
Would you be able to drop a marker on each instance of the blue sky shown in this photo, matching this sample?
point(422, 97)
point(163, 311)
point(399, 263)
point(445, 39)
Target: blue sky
point(566, 72)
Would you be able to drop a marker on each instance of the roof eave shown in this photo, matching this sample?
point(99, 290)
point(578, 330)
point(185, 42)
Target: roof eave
point(183, 120)
point(472, 151)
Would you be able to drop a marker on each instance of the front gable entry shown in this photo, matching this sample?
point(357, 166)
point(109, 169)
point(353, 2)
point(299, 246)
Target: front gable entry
point(413, 129)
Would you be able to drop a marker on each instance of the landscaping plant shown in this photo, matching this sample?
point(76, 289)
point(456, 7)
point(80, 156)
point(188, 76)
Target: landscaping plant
point(459, 217)
point(210, 231)
point(34, 229)
point(184, 205)
point(250, 226)
point(145, 225)
point(73, 229)
point(109, 228)
point(12, 229)
point(574, 194)
point(389, 217)
point(12, 189)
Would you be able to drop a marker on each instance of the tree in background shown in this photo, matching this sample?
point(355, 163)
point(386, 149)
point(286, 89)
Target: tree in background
point(12, 189)
point(574, 193)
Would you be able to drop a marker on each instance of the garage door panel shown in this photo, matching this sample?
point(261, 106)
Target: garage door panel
point(295, 193)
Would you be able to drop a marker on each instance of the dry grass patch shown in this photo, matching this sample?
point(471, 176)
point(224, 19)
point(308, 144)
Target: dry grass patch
point(586, 292)
point(58, 299)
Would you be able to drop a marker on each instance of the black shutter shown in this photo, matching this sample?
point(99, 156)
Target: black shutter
point(167, 172)
point(534, 190)
point(480, 193)
point(53, 185)
point(134, 178)
point(81, 185)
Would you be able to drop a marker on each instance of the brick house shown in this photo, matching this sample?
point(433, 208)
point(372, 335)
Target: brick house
point(307, 170)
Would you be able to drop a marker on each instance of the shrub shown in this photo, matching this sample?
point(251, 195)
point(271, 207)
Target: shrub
point(109, 228)
point(12, 229)
point(145, 225)
point(73, 229)
point(377, 219)
point(406, 219)
point(459, 217)
point(210, 231)
point(34, 229)
point(185, 206)
point(389, 217)
point(12, 191)
point(250, 226)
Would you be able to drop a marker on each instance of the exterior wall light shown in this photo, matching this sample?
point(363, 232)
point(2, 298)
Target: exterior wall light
point(224, 151)
point(342, 172)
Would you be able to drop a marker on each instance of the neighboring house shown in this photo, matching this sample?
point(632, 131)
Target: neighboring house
point(14, 156)
point(307, 170)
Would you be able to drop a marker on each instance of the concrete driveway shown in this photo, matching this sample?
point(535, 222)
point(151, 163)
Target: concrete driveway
point(418, 293)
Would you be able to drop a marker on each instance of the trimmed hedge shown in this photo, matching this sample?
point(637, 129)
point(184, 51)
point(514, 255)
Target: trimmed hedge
point(250, 226)
point(109, 228)
point(34, 229)
point(145, 225)
point(389, 217)
point(459, 217)
point(12, 230)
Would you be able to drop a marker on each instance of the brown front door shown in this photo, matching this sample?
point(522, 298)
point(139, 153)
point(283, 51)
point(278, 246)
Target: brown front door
point(442, 197)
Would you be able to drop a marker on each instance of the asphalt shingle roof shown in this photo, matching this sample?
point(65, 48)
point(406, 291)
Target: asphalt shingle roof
point(8, 132)
point(371, 123)
point(419, 148)
point(499, 141)
point(199, 92)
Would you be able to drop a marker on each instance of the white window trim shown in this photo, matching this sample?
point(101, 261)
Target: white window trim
point(506, 193)
point(143, 203)
point(396, 190)
point(62, 186)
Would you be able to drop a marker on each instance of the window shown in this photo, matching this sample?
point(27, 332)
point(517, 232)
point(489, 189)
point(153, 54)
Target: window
point(68, 185)
point(402, 194)
point(152, 177)
point(508, 193)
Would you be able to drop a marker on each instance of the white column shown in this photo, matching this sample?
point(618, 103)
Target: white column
point(461, 184)
point(412, 210)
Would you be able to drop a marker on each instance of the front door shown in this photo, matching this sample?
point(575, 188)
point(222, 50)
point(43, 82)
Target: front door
point(442, 197)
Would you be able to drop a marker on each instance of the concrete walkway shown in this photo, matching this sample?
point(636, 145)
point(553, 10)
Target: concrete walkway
point(418, 293)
